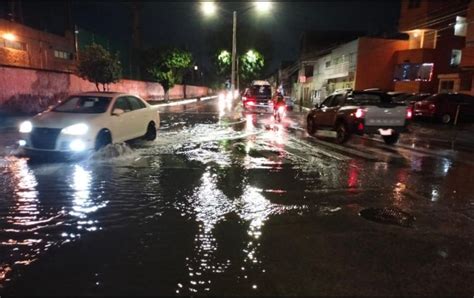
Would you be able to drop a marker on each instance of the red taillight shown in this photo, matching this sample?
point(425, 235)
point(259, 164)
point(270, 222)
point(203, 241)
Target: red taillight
point(360, 126)
point(409, 113)
point(360, 113)
point(249, 101)
point(432, 106)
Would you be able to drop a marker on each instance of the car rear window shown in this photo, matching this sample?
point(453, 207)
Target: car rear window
point(257, 90)
point(368, 98)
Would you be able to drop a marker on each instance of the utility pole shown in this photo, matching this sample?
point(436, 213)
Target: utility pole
point(136, 41)
point(238, 74)
point(234, 53)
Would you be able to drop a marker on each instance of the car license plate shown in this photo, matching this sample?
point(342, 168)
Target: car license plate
point(385, 132)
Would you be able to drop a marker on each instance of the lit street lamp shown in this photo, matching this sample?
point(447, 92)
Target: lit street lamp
point(209, 8)
point(9, 36)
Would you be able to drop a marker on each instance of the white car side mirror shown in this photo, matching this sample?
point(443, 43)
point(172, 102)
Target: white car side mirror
point(117, 112)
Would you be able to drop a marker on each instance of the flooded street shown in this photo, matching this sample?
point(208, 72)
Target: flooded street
point(230, 203)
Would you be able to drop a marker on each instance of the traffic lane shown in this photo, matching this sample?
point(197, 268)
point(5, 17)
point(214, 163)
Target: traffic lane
point(226, 191)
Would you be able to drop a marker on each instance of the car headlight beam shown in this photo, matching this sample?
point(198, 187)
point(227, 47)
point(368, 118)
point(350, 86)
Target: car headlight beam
point(76, 129)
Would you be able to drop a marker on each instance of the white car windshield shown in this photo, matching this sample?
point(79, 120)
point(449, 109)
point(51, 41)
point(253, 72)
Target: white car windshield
point(84, 104)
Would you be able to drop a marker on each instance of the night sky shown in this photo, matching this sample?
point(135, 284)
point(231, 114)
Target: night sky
point(182, 23)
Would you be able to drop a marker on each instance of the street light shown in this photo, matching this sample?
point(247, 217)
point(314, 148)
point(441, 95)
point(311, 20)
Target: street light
point(9, 36)
point(252, 56)
point(263, 6)
point(209, 8)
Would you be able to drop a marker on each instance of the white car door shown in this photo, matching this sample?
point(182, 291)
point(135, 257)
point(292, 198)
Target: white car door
point(120, 124)
point(139, 117)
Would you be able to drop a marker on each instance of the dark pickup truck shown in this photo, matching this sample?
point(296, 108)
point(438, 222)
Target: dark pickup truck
point(360, 112)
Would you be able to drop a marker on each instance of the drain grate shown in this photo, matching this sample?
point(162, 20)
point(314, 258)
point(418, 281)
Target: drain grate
point(391, 216)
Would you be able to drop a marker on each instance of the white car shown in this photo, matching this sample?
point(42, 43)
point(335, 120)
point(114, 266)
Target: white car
point(89, 121)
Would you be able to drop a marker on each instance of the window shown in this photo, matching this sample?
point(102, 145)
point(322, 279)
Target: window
point(414, 3)
point(136, 103)
point(368, 98)
point(338, 100)
point(308, 70)
point(328, 64)
point(446, 86)
point(261, 90)
point(122, 103)
point(337, 60)
point(62, 55)
point(12, 44)
point(413, 72)
point(84, 104)
point(466, 83)
point(352, 58)
point(327, 102)
point(460, 27)
point(455, 58)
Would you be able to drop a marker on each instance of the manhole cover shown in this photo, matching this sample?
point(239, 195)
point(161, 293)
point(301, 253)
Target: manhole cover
point(391, 216)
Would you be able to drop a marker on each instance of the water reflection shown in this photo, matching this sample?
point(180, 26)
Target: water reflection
point(24, 181)
point(210, 206)
point(42, 203)
point(83, 204)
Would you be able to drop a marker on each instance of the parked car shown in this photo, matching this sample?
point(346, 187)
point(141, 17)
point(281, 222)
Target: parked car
point(399, 97)
point(89, 121)
point(257, 97)
point(360, 112)
point(416, 97)
point(444, 106)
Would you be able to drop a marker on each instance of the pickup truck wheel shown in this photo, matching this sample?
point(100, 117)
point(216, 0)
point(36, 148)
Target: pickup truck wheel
point(342, 133)
point(311, 127)
point(150, 132)
point(390, 140)
point(446, 118)
point(103, 139)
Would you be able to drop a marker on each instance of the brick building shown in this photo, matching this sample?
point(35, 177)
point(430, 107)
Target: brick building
point(436, 35)
point(24, 46)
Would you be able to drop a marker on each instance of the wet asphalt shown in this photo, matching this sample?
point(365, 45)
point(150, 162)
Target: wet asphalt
point(227, 203)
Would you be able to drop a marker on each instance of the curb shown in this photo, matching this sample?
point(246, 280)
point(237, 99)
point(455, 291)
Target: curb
point(183, 101)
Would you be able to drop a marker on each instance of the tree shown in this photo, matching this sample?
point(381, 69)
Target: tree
point(99, 66)
point(251, 65)
point(168, 65)
point(248, 37)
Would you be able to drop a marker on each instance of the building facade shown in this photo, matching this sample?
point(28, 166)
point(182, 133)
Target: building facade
point(436, 36)
point(359, 64)
point(23, 46)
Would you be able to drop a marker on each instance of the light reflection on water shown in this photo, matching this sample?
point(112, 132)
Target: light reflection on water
point(210, 206)
point(40, 215)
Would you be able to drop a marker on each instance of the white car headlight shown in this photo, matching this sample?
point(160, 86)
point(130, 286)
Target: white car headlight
point(26, 127)
point(76, 129)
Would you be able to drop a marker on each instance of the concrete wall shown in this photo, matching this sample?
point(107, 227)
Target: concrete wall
point(376, 60)
point(28, 90)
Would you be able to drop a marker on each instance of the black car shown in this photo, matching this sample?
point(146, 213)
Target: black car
point(257, 97)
